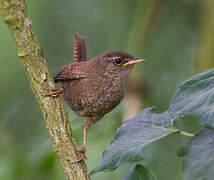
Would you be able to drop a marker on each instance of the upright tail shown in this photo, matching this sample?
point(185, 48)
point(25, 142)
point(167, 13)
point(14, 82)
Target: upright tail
point(79, 47)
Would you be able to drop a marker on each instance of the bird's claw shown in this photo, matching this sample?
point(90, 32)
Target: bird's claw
point(82, 150)
point(55, 92)
point(83, 157)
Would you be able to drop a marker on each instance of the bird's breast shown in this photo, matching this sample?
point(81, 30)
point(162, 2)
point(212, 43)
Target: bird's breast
point(90, 97)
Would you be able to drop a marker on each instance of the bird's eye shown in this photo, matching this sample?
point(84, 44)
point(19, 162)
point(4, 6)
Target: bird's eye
point(118, 61)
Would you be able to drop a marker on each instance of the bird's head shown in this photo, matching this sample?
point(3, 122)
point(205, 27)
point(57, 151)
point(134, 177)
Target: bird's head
point(117, 62)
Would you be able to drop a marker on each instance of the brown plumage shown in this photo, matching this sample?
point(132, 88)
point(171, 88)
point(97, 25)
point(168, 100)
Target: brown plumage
point(79, 47)
point(93, 88)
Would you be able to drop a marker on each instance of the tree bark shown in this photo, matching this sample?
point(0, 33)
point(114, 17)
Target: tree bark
point(56, 119)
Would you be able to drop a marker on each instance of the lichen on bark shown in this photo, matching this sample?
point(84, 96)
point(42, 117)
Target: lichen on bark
point(56, 119)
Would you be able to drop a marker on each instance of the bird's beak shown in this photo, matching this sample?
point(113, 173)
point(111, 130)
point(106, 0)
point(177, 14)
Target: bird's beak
point(134, 61)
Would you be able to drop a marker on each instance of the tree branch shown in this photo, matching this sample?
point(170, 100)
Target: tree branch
point(31, 55)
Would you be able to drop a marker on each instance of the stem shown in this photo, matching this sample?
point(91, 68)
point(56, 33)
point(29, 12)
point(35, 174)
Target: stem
point(186, 134)
point(56, 119)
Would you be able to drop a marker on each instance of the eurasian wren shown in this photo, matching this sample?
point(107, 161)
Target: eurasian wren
point(93, 88)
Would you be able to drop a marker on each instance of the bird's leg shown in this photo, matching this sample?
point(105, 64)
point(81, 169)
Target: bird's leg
point(86, 125)
point(55, 92)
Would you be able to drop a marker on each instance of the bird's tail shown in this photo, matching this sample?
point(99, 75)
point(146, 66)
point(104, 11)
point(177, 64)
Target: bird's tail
point(79, 47)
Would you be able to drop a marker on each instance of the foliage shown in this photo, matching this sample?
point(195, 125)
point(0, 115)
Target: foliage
point(198, 162)
point(194, 96)
point(140, 172)
point(132, 137)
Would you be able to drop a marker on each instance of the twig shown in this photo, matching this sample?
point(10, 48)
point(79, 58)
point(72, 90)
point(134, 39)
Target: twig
point(56, 119)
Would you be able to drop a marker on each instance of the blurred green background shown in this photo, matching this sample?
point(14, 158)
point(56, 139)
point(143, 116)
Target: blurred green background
point(176, 36)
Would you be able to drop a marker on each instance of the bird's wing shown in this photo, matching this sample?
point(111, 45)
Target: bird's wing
point(79, 47)
point(70, 72)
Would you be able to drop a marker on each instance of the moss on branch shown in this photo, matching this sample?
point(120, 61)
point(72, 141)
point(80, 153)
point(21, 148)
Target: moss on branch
point(31, 55)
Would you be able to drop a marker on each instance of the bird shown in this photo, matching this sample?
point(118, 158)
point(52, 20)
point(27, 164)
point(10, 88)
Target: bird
point(94, 87)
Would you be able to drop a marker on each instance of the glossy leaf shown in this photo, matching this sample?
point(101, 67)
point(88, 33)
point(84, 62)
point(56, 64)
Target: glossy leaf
point(140, 172)
point(195, 96)
point(134, 135)
point(198, 163)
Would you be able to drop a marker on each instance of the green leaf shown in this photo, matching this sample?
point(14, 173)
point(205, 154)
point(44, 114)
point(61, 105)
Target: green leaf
point(195, 96)
point(140, 172)
point(134, 135)
point(198, 163)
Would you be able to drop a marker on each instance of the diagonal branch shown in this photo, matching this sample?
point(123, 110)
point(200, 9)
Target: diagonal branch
point(31, 55)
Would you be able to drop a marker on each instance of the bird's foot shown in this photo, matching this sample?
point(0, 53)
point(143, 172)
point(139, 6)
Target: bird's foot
point(55, 92)
point(83, 156)
point(82, 150)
